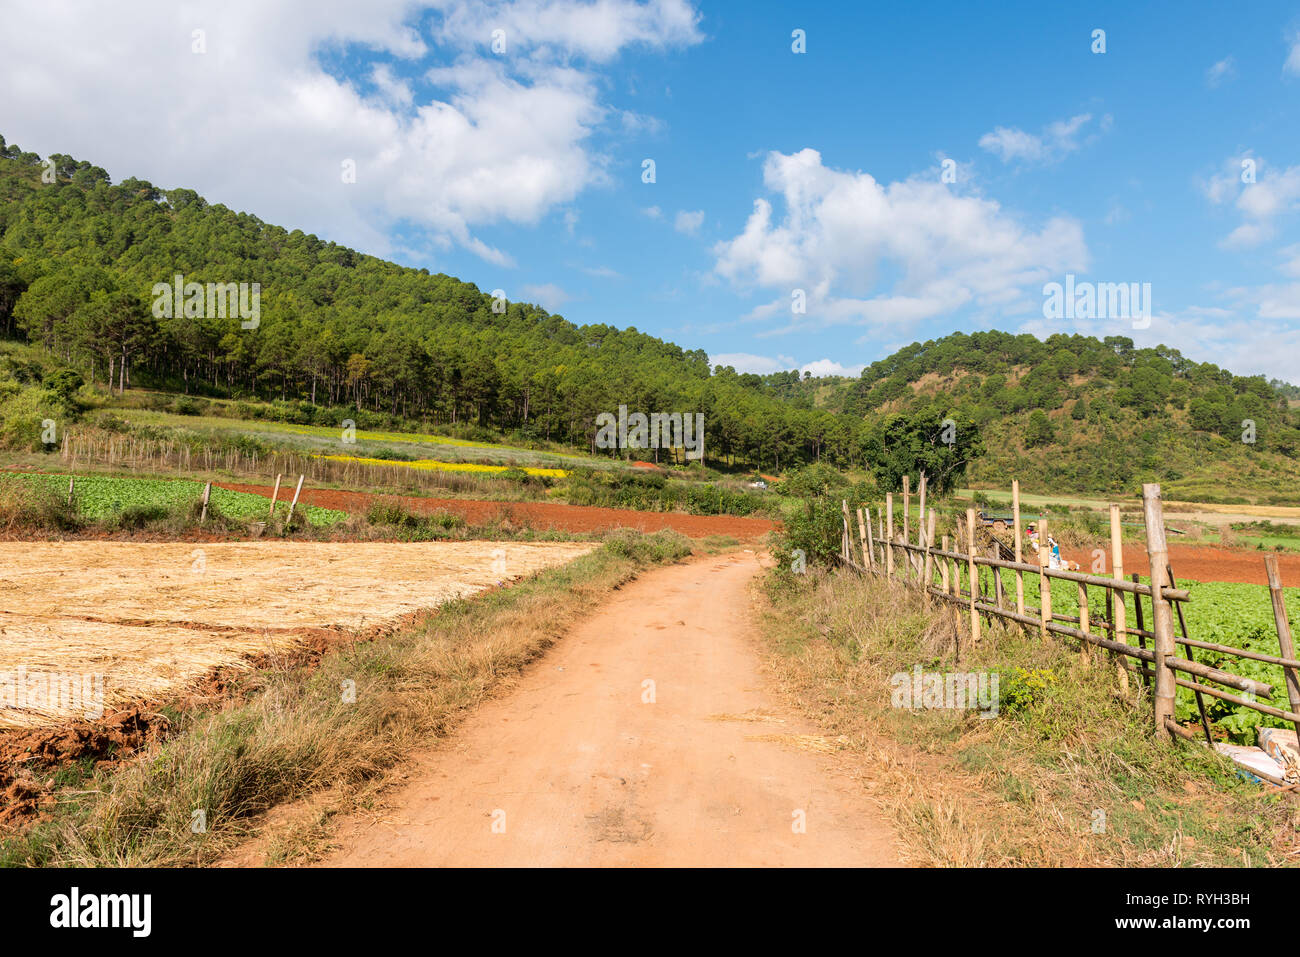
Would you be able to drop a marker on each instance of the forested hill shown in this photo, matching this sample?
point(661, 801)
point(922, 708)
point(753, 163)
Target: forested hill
point(79, 257)
point(1083, 413)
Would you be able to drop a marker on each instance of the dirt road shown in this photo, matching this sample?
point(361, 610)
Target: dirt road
point(585, 763)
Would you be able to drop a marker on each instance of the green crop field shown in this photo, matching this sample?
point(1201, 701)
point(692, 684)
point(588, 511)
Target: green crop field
point(101, 497)
point(1226, 613)
point(320, 439)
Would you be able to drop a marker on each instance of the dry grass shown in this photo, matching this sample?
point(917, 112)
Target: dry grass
point(150, 618)
point(1026, 788)
point(296, 734)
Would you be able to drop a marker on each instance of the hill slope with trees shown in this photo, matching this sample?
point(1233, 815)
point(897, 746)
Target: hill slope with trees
point(80, 256)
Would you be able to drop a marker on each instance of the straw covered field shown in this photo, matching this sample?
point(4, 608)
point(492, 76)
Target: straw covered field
point(143, 620)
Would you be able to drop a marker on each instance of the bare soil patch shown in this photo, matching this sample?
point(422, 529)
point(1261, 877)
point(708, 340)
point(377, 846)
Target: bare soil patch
point(540, 515)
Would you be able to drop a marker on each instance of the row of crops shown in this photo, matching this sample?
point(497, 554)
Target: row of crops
point(100, 497)
point(1226, 613)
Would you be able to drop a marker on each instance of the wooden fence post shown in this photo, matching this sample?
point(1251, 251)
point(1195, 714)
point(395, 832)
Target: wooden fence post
point(1284, 640)
point(862, 541)
point(871, 544)
point(889, 541)
point(929, 544)
point(1120, 612)
point(203, 515)
point(847, 540)
point(275, 493)
point(1020, 576)
point(294, 503)
point(72, 482)
point(907, 517)
point(943, 568)
point(973, 575)
point(1044, 583)
point(1083, 620)
point(1162, 619)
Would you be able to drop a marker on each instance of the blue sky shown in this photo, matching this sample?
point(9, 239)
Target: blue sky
point(775, 171)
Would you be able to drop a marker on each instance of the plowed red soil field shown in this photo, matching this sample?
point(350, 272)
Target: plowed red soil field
point(540, 515)
point(1203, 563)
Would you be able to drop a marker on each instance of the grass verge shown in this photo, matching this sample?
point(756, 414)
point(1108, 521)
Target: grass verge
point(296, 731)
point(1067, 774)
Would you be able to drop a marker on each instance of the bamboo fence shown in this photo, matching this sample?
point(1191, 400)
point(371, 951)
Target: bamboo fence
point(936, 571)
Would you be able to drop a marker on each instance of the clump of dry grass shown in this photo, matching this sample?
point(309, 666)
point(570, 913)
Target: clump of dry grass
point(1072, 778)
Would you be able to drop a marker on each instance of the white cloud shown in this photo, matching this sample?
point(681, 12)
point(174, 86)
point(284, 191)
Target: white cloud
point(1292, 64)
point(744, 362)
point(257, 123)
point(597, 30)
point(844, 234)
point(689, 222)
point(1052, 143)
point(1225, 69)
point(1275, 193)
point(1290, 260)
point(549, 296)
point(825, 367)
point(653, 212)
point(763, 365)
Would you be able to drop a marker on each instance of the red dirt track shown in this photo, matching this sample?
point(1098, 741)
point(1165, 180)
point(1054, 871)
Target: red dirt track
point(539, 515)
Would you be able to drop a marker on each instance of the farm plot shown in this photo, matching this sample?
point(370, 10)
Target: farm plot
point(105, 496)
point(140, 621)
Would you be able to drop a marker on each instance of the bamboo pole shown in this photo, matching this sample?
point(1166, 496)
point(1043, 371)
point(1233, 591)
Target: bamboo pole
point(203, 515)
point(1083, 618)
point(997, 579)
point(889, 541)
point(1116, 602)
point(1163, 625)
point(1191, 656)
point(929, 542)
point(862, 541)
point(72, 482)
point(1141, 626)
point(1284, 638)
point(871, 545)
point(275, 493)
point(921, 505)
point(294, 503)
point(907, 511)
point(943, 567)
point(1020, 576)
point(844, 506)
point(1044, 584)
point(920, 528)
point(970, 553)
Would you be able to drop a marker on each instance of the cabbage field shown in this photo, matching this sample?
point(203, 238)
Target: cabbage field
point(104, 497)
point(1226, 613)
